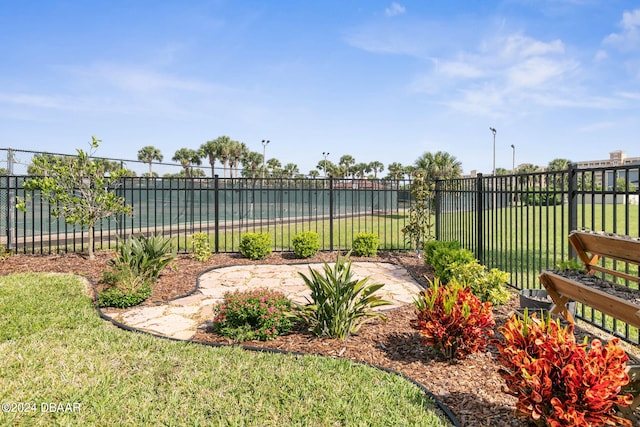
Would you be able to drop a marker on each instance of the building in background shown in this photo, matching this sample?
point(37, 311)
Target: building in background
point(616, 158)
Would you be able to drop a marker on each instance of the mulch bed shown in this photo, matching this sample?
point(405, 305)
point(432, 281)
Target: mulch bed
point(471, 388)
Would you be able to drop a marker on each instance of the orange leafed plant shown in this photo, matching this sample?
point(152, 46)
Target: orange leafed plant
point(559, 382)
point(453, 320)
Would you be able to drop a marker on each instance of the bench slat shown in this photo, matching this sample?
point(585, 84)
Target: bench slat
point(612, 305)
point(619, 274)
point(613, 247)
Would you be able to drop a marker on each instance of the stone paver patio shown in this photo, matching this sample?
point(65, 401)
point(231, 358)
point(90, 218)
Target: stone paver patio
point(180, 318)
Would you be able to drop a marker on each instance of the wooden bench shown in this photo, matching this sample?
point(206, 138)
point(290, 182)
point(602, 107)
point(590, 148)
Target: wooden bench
point(590, 249)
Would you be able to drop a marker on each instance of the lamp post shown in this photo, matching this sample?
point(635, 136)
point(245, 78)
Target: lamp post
point(493, 130)
point(265, 142)
point(324, 167)
point(513, 159)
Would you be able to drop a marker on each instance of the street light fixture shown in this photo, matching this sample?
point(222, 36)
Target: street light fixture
point(513, 160)
point(265, 142)
point(324, 167)
point(493, 130)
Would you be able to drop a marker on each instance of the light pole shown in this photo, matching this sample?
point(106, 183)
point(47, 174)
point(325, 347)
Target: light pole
point(493, 130)
point(513, 160)
point(265, 142)
point(324, 167)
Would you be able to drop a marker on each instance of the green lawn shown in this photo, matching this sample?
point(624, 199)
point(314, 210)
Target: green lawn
point(387, 227)
point(54, 348)
point(525, 240)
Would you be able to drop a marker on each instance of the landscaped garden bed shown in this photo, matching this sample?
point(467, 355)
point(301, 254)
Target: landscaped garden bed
point(471, 388)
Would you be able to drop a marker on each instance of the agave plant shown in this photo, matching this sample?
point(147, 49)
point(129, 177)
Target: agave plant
point(339, 305)
point(144, 256)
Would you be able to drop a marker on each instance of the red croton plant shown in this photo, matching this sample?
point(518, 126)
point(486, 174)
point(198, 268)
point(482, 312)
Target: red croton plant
point(453, 320)
point(559, 382)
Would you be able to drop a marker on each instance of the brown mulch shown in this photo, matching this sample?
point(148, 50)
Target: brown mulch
point(471, 389)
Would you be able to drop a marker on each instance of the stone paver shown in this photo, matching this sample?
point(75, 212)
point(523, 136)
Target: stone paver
point(180, 318)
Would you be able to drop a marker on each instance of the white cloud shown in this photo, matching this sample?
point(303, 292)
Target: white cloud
point(388, 40)
point(600, 55)
point(635, 96)
point(519, 46)
point(460, 69)
point(537, 72)
point(598, 126)
point(395, 9)
point(37, 101)
point(629, 37)
point(141, 80)
point(504, 75)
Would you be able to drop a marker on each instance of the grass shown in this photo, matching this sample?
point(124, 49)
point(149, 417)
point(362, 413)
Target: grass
point(387, 227)
point(55, 349)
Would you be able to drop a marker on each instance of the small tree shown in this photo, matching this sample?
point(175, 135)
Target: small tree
point(78, 189)
point(418, 230)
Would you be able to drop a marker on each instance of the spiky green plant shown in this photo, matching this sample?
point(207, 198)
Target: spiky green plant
point(339, 304)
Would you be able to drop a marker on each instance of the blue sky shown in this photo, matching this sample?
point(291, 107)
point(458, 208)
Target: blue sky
point(378, 80)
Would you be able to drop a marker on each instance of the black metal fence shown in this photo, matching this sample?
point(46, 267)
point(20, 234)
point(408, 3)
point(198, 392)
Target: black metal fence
point(516, 223)
point(224, 208)
point(520, 223)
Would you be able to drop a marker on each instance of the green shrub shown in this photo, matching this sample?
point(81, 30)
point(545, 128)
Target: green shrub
point(145, 256)
point(4, 252)
point(201, 247)
point(306, 244)
point(339, 304)
point(545, 197)
point(431, 246)
point(136, 266)
point(115, 297)
point(365, 244)
point(444, 259)
point(255, 245)
point(259, 314)
point(488, 285)
point(571, 264)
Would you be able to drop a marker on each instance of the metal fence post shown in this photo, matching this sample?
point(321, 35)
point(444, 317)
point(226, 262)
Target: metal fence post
point(331, 213)
point(479, 219)
point(11, 199)
point(437, 209)
point(216, 215)
point(573, 204)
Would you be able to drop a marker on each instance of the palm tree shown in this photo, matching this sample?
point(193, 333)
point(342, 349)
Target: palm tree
point(187, 157)
point(290, 169)
point(358, 170)
point(211, 150)
point(440, 165)
point(526, 169)
point(148, 154)
point(252, 161)
point(376, 167)
point(346, 161)
point(557, 165)
point(396, 170)
point(313, 173)
point(237, 151)
point(326, 166)
point(274, 166)
point(224, 147)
